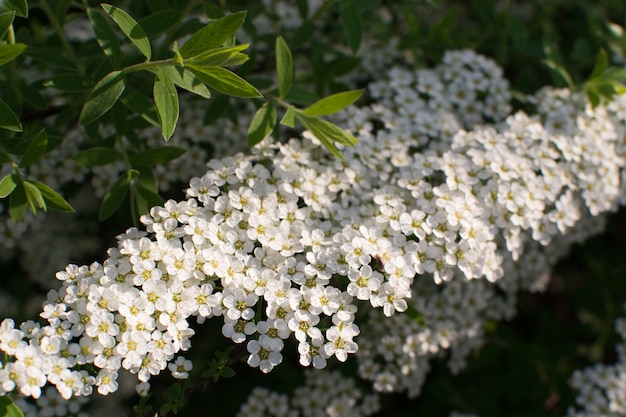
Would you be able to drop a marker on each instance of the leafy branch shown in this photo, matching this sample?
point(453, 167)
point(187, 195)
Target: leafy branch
point(265, 120)
point(198, 64)
point(603, 84)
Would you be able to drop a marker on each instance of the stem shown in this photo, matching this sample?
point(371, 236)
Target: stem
point(13, 70)
point(277, 100)
point(149, 65)
point(5, 154)
point(61, 34)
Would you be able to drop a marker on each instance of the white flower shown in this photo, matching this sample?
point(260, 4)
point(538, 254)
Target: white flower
point(391, 298)
point(106, 381)
point(303, 325)
point(263, 354)
point(364, 282)
point(12, 375)
point(143, 389)
point(237, 330)
point(180, 369)
point(340, 341)
point(238, 304)
point(101, 326)
point(71, 383)
point(32, 382)
point(10, 338)
point(311, 353)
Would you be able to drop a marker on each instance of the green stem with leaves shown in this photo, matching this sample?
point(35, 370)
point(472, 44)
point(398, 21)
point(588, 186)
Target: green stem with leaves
point(277, 100)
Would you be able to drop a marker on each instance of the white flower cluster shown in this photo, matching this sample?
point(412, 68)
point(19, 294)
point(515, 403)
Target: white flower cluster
point(602, 388)
point(508, 199)
point(289, 242)
point(324, 394)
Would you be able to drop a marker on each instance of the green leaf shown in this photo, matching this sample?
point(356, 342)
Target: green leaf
point(138, 204)
point(9, 52)
point(327, 133)
point(186, 80)
point(8, 407)
point(333, 103)
point(103, 96)
point(165, 408)
point(20, 7)
point(97, 156)
point(151, 198)
point(166, 101)
point(351, 24)
point(159, 22)
point(54, 200)
point(221, 56)
point(33, 97)
point(613, 74)
point(289, 117)
point(213, 35)
point(607, 89)
point(313, 125)
point(146, 177)
point(71, 83)
point(225, 81)
point(227, 372)
point(334, 132)
point(156, 156)
point(7, 185)
point(6, 19)
point(131, 29)
point(620, 89)
point(262, 124)
point(559, 73)
point(18, 204)
point(602, 62)
point(107, 39)
point(594, 98)
point(284, 67)
point(35, 150)
point(34, 197)
point(8, 119)
point(212, 11)
point(140, 104)
point(50, 57)
point(114, 197)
